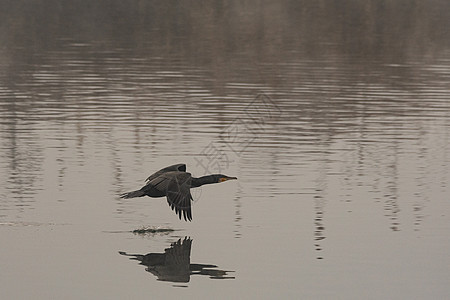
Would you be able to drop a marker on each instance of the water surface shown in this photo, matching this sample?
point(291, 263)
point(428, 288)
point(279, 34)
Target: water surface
point(334, 119)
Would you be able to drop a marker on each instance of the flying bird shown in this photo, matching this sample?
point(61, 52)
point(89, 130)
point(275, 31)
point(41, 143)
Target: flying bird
point(175, 183)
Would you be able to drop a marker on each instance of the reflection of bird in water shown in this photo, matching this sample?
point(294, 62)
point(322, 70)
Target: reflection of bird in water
point(174, 264)
point(175, 183)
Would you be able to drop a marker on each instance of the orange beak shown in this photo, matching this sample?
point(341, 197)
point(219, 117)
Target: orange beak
point(222, 179)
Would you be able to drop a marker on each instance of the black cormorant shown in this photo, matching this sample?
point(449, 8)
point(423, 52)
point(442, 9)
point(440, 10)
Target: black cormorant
point(175, 183)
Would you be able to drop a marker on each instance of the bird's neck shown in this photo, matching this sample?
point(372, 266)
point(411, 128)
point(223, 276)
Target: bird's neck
point(196, 182)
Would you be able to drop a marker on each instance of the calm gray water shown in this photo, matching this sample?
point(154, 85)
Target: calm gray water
point(334, 117)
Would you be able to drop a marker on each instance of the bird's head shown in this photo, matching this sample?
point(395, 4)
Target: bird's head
point(222, 178)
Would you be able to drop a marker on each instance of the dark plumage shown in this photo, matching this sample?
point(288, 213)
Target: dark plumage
point(175, 183)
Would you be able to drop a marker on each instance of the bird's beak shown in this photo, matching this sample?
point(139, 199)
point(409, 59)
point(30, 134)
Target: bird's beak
point(222, 179)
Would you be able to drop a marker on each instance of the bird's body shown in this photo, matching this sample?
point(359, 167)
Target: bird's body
point(175, 183)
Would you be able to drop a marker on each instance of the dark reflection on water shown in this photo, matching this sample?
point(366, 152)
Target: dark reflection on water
point(174, 264)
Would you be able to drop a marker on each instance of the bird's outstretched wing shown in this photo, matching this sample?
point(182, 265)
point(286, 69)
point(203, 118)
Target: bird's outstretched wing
point(176, 186)
point(179, 195)
point(177, 167)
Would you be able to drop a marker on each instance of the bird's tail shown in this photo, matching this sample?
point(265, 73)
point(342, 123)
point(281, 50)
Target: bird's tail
point(132, 194)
